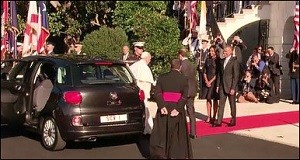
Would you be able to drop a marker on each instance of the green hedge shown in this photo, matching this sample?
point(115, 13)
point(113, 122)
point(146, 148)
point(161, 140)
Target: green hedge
point(105, 42)
point(147, 21)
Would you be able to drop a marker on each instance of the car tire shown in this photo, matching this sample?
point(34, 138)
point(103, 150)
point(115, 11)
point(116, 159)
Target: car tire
point(51, 138)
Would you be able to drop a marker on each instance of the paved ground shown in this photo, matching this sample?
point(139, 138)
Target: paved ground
point(271, 142)
point(285, 134)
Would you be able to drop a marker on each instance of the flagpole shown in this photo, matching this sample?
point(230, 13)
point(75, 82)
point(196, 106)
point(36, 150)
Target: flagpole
point(14, 27)
point(4, 38)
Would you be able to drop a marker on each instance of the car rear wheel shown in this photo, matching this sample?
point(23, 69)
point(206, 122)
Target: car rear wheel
point(51, 138)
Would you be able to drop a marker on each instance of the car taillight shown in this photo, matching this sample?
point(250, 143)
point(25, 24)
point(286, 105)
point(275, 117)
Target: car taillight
point(76, 121)
point(72, 97)
point(142, 95)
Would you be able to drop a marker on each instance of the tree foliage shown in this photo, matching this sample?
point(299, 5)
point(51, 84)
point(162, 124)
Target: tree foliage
point(72, 18)
point(105, 42)
point(147, 21)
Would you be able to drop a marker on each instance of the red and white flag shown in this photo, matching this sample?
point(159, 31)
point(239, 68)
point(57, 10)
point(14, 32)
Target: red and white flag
point(4, 34)
point(32, 29)
point(193, 14)
point(296, 32)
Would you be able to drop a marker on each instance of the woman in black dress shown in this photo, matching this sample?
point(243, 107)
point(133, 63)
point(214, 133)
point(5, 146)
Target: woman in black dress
point(209, 89)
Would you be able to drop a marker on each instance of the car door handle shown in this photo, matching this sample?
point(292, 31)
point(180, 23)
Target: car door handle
point(18, 87)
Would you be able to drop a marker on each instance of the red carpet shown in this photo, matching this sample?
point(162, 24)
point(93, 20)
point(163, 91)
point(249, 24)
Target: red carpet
point(247, 122)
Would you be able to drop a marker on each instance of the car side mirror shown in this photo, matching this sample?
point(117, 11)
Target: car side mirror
point(4, 76)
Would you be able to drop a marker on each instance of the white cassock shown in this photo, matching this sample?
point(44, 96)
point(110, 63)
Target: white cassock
point(144, 78)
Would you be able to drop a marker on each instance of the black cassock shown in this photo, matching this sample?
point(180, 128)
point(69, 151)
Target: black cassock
point(169, 137)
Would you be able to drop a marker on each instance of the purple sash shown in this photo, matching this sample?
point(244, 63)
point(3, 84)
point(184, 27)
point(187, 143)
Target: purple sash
point(171, 96)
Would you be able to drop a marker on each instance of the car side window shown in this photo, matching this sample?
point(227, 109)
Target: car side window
point(46, 71)
point(18, 71)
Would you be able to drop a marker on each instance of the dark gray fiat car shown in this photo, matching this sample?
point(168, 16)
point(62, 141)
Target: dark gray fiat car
point(71, 98)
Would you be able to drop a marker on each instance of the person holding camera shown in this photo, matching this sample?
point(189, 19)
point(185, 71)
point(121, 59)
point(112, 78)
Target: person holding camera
point(272, 60)
point(220, 44)
point(238, 46)
point(248, 92)
point(264, 89)
point(257, 66)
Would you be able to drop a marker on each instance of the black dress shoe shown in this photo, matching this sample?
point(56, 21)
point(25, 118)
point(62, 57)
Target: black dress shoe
point(231, 124)
point(212, 121)
point(193, 136)
point(216, 125)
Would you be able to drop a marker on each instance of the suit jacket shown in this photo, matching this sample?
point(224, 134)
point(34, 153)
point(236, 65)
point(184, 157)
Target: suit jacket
point(188, 69)
point(201, 57)
point(51, 53)
point(273, 63)
point(121, 56)
point(293, 58)
point(238, 53)
point(228, 77)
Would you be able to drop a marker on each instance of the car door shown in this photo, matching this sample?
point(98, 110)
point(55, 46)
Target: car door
point(14, 92)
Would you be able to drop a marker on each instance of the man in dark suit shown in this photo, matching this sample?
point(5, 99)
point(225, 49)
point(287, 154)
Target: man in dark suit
point(189, 71)
point(227, 79)
point(50, 48)
point(169, 138)
point(201, 56)
point(125, 53)
point(272, 59)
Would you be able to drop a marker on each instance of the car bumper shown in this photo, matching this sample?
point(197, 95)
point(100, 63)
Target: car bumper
point(86, 133)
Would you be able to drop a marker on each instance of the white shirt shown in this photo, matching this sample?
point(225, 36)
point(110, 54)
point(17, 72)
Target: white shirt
point(226, 61)
point(143, 75)
point(194, 43)
point(125, 56)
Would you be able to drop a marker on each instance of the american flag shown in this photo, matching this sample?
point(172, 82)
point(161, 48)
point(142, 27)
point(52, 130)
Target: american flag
point(193, 14)
point(44, 32)
point(4, 23)
point(296, 32)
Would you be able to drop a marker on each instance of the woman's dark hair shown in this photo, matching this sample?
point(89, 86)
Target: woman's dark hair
point(215, 49)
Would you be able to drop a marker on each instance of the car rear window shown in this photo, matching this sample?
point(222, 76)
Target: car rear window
point(104, 73)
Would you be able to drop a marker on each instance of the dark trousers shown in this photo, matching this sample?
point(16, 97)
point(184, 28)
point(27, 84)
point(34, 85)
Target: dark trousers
point(201, 81)
point(191, 113)
point(232, 103)
point(295, 89)
point(209, 15)
point(276, 83)
point(221, 10)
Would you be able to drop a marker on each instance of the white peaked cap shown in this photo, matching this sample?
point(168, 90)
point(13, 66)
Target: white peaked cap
point(19, 44)
point(138, 44)
point(145, 54)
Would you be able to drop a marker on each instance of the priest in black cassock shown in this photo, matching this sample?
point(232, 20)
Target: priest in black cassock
point(169, 138)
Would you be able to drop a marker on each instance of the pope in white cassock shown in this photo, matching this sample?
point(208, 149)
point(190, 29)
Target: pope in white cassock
point(144, 78)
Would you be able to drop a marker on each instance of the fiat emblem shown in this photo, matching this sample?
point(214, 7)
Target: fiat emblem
point(113, 95)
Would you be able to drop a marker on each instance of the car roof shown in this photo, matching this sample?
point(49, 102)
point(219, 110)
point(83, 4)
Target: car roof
point(72, 59)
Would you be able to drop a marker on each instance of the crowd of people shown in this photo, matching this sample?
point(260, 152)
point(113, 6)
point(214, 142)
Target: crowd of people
point(218, 75)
